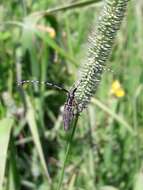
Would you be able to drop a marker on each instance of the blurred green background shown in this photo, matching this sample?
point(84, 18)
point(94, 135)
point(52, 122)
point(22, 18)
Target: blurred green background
point(107, 149)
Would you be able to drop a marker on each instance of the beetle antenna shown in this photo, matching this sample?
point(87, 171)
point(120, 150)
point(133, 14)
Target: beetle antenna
point(37, 82)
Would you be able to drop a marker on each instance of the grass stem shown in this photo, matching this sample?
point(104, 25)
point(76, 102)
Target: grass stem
point(68, 149)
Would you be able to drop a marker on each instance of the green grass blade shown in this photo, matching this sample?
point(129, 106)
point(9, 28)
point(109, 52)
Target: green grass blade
point(114, 115)
point(108, 188)
point(5, 129)
point(13, 173)
point(34, 131)
point(139, 181)
point(55, 46)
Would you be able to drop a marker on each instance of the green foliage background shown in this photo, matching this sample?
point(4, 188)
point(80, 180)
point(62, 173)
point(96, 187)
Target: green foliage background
point(107, 149)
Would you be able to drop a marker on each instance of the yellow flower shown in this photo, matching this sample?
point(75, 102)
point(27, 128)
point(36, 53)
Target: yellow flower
point(117, 89)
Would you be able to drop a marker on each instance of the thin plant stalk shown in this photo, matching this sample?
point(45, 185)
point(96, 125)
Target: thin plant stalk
point(66, 7)
point(68, 150)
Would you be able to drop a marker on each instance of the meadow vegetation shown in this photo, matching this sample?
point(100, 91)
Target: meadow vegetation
point(107, 148)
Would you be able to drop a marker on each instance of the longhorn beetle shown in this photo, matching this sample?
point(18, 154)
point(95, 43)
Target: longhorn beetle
point(70, 104)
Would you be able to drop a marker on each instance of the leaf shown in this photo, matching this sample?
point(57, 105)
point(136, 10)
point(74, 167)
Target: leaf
point(138, 182)
point(108, 188)
point(33, 127)
point(5, 129)
point(114, 115)
point(13, 179)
